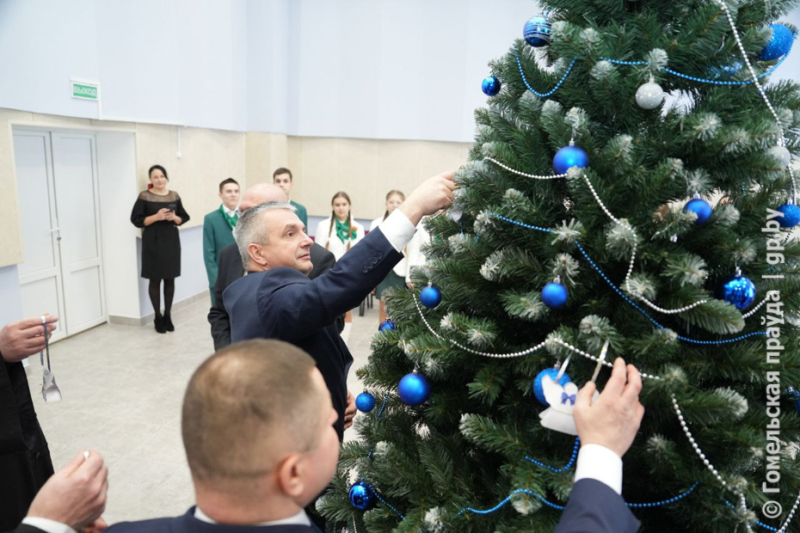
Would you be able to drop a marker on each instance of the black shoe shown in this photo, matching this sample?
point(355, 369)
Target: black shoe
point(168, 325)
point(159, 324)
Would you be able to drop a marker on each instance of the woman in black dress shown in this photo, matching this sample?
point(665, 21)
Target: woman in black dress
point(159, 212)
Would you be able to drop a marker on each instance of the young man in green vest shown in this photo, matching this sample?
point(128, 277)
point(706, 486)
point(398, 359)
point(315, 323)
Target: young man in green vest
point(283, 179)
point(218, 229)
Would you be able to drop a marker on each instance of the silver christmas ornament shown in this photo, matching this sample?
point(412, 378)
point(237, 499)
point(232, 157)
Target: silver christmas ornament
point(781, 155)
point(650, 95)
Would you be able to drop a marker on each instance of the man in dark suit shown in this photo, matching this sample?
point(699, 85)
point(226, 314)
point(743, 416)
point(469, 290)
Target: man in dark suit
point(258, 456)
point(606, 428)
point(230, 266)
point(277, 300)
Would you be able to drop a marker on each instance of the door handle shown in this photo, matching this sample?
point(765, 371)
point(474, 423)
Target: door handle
point(53, 230)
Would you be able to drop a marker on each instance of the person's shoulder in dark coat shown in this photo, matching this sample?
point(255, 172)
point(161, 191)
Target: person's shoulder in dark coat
point(187, 523)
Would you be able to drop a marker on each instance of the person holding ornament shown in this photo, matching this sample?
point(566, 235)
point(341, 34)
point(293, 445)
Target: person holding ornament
point(277, 300)
point(397, 277)
point(284, 452)
point(159, 212)
point(606, 428)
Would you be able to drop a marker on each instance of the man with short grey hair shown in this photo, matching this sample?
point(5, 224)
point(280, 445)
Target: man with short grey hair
point(278, 301)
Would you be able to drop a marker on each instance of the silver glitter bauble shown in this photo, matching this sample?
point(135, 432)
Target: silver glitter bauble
point(650, 95)
point(781, 155)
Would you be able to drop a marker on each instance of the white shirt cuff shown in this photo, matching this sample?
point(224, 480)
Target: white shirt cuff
point(45, 524)
point(599, 463)
point(398, 230)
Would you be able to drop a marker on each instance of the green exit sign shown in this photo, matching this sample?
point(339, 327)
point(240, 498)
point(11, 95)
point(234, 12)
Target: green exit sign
point(85, 90)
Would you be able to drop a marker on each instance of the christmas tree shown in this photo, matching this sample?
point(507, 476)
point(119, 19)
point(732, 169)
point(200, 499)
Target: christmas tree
point(630, 193)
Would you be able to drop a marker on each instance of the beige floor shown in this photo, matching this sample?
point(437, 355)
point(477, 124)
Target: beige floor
point(122, 390)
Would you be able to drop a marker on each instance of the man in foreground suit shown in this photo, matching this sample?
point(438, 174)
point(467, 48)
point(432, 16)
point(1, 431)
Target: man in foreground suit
point(606, 428)
point(269, 396)
point(230, 264)
point(277, 300)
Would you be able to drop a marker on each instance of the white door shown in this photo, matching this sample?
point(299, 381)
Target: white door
point(57, 175)
point(75, 172)
point(40, 274)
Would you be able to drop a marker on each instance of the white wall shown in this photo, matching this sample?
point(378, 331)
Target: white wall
point(163, 61)
point(10, 296)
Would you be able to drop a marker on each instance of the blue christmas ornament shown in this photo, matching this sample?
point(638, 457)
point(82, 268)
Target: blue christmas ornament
point(778, 45)
point(568, 157)
point(737, 291)
point(362, 497)
point(414, 389)
point(430, 296)
point(791, 215)
point(388, 325)
point(491, 85)
point(537, 383)
point(365, 402)
point(554, 295)
point(537, 31)
point(701, 208)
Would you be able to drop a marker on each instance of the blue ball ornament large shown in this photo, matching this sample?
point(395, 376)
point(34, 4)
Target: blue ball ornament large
point(414, 389)
point(491, 85)
point(537, 31)
point(737, 291)
point(791, 215)
point(554, 295)
point(568, 157)
point(362, 497)
point(538, 391)
point(701, 208)
point(365, 402)
point(779, 44)
point(430, 296)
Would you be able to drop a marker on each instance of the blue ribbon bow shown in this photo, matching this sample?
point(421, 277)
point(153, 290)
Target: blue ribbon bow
point(565, 397)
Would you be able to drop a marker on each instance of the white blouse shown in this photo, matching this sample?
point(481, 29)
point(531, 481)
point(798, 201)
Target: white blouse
point(412, 253)
point(331, 242)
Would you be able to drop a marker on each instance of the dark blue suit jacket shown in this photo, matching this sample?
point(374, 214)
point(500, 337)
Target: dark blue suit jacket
point(594, 507)
point(283, 303)
point(189, 524)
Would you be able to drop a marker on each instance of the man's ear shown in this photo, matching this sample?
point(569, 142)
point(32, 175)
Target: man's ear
point(255, 251)
point(291, 475)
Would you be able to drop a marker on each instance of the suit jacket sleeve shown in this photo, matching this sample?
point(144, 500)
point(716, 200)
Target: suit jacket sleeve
point(229, 270)
point(210, 250)
point(595, 507)
point(291, 310)
point(25, 528)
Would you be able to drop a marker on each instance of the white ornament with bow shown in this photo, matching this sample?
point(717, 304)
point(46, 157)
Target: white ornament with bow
point(561, 398)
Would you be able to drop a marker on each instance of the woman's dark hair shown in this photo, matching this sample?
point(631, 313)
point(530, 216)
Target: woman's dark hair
point(391, 193)
point(340, 194)
point(157, 167)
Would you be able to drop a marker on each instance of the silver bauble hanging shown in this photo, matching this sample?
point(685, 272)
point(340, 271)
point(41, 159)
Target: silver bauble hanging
point(781, 155)
point(650, 95)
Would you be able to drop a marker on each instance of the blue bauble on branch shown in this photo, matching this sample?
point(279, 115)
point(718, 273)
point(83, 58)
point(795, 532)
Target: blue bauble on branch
point(738, 291)
point(365, 402)
point(778, 45)
point(568, 157)
point(362, 497)
point(430, 296)
point(414, 389)
point(491, 85)
point(537, 31)
point(701, 208)
point(791, 215)
point(388, 325)
point(538, 391)
point(554, 295)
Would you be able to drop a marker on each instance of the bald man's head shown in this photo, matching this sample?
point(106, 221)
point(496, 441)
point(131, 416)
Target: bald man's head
point(260, 194)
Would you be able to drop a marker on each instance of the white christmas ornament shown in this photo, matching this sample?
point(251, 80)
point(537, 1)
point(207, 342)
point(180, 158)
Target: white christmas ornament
point(781, 155)
point(650, 95)
point(558, 416)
